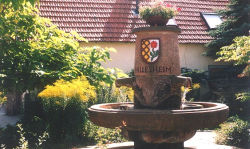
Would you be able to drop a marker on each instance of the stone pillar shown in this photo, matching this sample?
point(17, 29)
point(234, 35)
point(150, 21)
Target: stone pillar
point(157, 83)
point(157, 66)
point(157, 51)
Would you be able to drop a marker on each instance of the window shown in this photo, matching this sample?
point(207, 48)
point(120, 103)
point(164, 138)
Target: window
point(211, 19)
point(136, 10)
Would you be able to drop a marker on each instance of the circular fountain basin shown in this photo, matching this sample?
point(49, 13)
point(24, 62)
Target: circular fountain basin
point(112, 115)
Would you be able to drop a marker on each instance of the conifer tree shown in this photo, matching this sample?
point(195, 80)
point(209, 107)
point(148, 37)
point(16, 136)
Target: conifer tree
point(236, 23)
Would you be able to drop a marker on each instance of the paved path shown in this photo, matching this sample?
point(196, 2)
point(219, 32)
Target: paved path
point(205, 140)
point(5, 120)
point(201, 140)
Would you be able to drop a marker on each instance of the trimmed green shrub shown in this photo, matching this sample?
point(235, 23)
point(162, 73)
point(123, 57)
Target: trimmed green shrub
point(234, 132)
point(15, 137)
point(240, 104)
point(101, 135)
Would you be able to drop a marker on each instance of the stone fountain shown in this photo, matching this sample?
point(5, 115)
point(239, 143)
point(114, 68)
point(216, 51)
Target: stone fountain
point(158, 118)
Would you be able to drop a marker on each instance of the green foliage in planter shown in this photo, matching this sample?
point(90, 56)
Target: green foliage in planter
point(158, 8)
point(234, 132)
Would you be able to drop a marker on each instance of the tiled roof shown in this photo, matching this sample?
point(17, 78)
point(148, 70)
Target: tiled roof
point(113, 20)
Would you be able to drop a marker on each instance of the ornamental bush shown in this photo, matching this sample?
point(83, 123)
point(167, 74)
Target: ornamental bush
point(33, 52)
point(238, 53)
point(65, 106)
point(102, 136)
point(234, 132)
point(240, 104)
point(65, 103)
point(77, 88)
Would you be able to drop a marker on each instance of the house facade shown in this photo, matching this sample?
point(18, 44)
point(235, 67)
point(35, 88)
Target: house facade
point(109, 23)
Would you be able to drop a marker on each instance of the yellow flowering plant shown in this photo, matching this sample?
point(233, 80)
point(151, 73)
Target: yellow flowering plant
point(77, 88)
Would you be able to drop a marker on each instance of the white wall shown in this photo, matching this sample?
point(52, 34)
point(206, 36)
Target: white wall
point(190, 55)
point(124, 56)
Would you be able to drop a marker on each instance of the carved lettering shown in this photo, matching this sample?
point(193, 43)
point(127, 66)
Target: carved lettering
point(152, 69)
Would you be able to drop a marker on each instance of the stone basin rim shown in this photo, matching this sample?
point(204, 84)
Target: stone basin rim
point(213, 108)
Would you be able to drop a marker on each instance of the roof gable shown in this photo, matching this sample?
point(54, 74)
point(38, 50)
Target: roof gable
point(113, 20)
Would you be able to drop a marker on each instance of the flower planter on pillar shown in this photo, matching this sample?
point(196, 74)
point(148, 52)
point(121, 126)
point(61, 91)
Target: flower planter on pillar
point(157, 21)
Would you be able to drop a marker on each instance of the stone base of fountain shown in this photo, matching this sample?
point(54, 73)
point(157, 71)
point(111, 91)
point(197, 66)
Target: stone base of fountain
point(158, 129)
point(143, 145)
point(159, 139)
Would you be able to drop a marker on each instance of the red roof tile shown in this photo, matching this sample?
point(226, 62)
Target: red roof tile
point(113, 20)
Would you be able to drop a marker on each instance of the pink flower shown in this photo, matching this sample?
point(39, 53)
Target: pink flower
point(158, 3)
point(168, 5)
point(178, 9)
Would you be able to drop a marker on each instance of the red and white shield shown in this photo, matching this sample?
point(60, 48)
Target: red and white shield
point(150, 49)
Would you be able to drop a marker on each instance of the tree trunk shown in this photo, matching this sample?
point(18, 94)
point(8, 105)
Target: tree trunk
point(14, 101)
